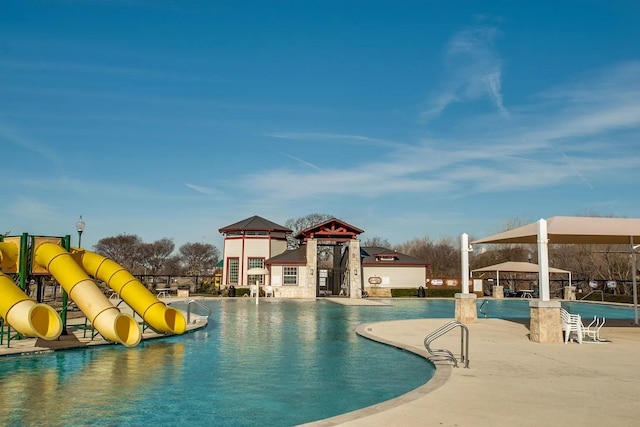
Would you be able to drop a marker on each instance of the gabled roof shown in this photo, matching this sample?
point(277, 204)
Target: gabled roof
point(255, 223)
point(293, 256)
point(331, 229)
point(369, 253)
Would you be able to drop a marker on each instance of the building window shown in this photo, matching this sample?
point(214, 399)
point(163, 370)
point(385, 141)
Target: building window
point(253, 263)
point(232, 271)
point(290, 275)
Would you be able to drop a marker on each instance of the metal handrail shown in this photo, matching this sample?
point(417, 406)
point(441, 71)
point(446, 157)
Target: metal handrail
point(593, 291)
point(486, 312)
point(464, 343)
point(199, 304)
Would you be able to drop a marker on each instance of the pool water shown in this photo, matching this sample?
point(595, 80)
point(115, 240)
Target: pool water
point(280, 363)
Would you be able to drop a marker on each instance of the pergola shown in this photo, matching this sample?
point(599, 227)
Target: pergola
point(567, 230)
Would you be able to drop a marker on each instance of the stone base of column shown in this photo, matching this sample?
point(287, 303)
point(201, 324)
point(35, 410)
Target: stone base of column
point(498, 291)
point(569, 293)
point(545, 325)
point(466, 310)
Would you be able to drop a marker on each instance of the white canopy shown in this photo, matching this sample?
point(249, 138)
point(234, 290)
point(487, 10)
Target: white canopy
point(519, 267)
point(571, 229)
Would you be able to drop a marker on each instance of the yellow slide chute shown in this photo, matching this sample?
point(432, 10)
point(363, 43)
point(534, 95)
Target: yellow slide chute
point(105, 318)
point(26, 316)
point(21, 312)
point(153, 311)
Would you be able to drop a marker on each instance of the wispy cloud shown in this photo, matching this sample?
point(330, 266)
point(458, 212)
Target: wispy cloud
point(201, 189)
point(473, 70)
point(301, 161)
point(566, 142)
point(342, 138)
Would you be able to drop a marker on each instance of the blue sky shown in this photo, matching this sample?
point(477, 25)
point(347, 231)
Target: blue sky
point(404, 118)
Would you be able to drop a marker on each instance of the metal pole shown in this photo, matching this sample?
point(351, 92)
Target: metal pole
point(464, 249)
point(633, 283)
point(80, 239)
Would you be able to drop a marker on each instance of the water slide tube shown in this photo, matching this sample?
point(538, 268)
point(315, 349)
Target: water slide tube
point(153, 311)
point(105, 318)
point(26, 316)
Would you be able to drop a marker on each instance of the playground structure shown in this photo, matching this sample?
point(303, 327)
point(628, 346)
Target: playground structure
point(76, 270)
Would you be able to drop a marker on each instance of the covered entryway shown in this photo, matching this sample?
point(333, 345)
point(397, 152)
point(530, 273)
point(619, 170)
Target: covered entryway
point(338, 257)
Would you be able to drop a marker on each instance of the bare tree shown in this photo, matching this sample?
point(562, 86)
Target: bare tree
point(199, 258)
point(155, 254)
point(377, 242)
point(443, 255)
point(125, 249)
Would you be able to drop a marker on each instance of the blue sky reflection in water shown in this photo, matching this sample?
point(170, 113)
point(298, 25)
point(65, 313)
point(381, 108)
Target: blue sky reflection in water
point(304, 362)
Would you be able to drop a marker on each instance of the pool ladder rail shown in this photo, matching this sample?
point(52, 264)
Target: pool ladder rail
point(444, 354)
point(484, 308)
point(197, 317)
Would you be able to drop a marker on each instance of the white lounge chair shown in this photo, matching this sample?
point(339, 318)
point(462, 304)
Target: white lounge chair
point(571, 323)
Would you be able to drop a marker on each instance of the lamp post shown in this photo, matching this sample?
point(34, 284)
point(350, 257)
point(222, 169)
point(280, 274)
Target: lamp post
point(80, 227)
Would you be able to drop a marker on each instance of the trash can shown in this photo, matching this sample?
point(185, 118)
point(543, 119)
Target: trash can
point(232, 291)
point(421, 292)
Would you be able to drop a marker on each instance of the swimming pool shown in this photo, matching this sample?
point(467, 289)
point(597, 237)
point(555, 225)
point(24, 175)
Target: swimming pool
point(281, 363)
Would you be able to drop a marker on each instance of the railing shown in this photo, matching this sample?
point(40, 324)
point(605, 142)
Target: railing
point(199, 304)
point(592, 292)
point(444, 353)
point(484, 308)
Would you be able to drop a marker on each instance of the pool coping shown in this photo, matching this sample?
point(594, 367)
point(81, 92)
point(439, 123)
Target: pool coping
point(441, 375)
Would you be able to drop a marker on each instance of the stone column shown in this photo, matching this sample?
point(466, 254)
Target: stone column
point(498, 291)
point(545, 325)
point(311, 283)
point(569, 293)
point(355, 269)
point(466, 310)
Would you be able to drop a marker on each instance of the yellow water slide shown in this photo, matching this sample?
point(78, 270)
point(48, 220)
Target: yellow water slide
point(22, 313)
point(153, 311)
point(105, 318)
point(26, 316)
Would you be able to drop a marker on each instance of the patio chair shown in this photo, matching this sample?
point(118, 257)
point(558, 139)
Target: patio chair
point(593, 329)
point(268, 291)
point(571, 323)
point(252, 291)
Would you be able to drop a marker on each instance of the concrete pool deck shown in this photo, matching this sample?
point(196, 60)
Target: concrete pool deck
point(511, 381)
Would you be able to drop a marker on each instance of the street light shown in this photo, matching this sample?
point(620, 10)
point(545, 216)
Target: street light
point(80, 227)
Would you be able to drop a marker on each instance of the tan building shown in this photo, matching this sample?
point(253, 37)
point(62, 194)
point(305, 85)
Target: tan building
point(328, 262)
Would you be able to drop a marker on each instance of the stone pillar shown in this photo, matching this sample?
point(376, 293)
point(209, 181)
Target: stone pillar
point(355, 269)
point(570, 293)
point(545, 325)
point(466, 310)
point(309, 286)
point(498, 291)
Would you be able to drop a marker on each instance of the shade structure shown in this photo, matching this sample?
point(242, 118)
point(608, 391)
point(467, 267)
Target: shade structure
point(573, 230)
point(518, 267)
